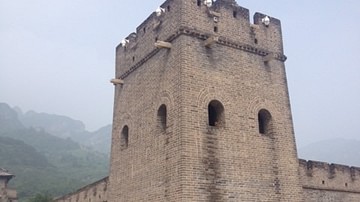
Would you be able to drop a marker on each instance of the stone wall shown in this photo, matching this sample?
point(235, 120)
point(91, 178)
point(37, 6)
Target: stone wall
point(241, 74)
point(323, 182)
point(208, 118)
point(95, 192)
point(7, 194)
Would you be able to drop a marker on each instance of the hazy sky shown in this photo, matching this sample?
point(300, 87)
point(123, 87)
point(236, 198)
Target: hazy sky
point(57, 56)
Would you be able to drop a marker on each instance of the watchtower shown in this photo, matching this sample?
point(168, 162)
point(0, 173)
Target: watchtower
point(202, 110)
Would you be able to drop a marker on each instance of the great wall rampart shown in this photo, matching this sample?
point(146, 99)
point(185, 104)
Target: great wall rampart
point(169, 74)
point(317, 175)
point(95, 192)
point(318, 178)
point(223, 20)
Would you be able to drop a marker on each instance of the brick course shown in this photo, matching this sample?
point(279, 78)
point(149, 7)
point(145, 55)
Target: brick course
point(95, 192)
point(190, 160)
point(240, 79)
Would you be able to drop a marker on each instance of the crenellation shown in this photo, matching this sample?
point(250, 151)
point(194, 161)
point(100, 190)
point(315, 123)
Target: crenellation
point(132, 38)
point(270, 34)
point(225, 19)
point(331, 171)
point(153, 28)
point(95, 192)
point(238, 12)
point(179, 126)
point(210, 57)
point(355, 173)
point(145, 24)
point(325, 176)
point(258, 17)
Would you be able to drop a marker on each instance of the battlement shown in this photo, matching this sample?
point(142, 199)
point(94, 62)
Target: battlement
point(225, 20)
point(330, 177)
point(196, 88)
point(95, 192)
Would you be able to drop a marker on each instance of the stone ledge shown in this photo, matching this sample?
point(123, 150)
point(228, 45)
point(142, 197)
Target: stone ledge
point(330, 189)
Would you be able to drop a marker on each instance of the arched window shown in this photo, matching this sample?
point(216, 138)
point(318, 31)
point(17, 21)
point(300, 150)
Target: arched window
point(124, 137)
point(162, 117)
point(235, 14)
point(216, 113)
point(264, 119)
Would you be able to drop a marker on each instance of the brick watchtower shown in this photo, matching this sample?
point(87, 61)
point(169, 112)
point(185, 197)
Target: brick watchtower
point(201, 110)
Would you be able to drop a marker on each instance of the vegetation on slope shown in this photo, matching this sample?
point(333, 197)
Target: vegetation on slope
point(44, 163)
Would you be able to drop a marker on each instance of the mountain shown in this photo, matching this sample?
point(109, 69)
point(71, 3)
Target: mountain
point(43, 162)
point(66, 127)
point(17, 153)
point(33, 171)
point(60, 126)
point(8, 119)
point(340, 151)
point(99, 140)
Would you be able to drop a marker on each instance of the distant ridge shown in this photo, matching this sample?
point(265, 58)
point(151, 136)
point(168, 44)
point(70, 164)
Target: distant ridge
point(42, 162)
point(66, 127)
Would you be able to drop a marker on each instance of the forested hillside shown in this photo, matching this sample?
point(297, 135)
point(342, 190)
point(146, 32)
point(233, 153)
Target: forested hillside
point(66, 127)
point(44, 163)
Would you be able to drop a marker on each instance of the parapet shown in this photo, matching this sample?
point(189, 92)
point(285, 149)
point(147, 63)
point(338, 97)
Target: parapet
point(138, 45)
point(95, 192)
point(224, 19)
point(331, 177)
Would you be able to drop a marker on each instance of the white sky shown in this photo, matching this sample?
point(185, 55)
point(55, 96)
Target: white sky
point(57, 56)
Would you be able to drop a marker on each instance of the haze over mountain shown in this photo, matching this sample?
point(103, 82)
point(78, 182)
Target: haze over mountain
point(60, 126)
point(66, 127)
point(43, 162)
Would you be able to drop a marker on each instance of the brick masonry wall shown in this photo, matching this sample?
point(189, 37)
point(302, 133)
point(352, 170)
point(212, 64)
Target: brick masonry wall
point(329, 182)
point(190, 160)
point(141, 42)
point(95, 192)
point(234, 162)
point(148, 169)
point(182, 157)
point(321, 182)
point(6, 194)
point(2, 188)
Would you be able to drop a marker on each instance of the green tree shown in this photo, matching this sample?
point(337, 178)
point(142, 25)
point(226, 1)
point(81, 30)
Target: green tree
point(41, 198)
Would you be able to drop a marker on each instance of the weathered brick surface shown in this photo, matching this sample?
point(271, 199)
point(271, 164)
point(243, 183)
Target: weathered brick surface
point(95, 192)
point(329, 182)
point(190, 160)
point(179, 154)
